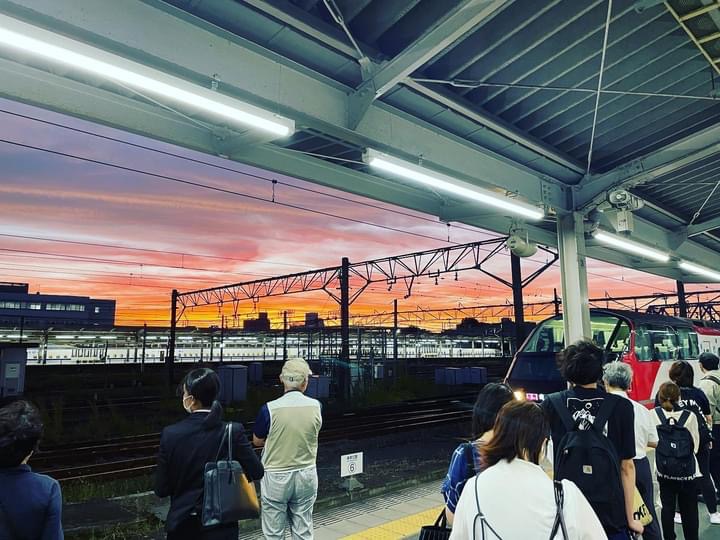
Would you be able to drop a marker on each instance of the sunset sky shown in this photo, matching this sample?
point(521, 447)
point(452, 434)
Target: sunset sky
point(93, 230)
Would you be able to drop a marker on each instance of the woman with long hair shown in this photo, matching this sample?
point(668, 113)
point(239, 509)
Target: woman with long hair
point(676, 491)
point(513, 497)
point(185, 448)
point(465, 461)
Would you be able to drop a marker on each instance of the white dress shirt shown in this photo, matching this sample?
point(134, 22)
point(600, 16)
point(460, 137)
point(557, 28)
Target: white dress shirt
point(645, 431)
point(518, 500)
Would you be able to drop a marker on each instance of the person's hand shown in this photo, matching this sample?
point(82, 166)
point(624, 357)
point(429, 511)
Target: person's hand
point(636, 526)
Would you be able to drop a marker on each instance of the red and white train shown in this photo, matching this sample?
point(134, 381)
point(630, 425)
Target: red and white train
point(648, 343)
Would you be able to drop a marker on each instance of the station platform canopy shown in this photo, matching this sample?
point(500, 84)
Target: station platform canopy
point(591, 125)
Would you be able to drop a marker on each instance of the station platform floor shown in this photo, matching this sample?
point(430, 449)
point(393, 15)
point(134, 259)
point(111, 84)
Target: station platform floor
point(393, 516)
point(399, 516)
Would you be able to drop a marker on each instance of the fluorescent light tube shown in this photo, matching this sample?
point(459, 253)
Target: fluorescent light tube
point(699, 270)
point(44, 44)
point(631, 247)
point(449, 184)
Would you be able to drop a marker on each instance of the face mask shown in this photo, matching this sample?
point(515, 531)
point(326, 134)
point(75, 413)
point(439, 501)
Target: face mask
point(187, 409)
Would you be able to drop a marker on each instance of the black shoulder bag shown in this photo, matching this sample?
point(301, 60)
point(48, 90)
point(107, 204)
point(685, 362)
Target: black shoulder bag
point(228, 495)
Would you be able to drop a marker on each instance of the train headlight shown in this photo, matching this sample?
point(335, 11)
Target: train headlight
point(519, 395)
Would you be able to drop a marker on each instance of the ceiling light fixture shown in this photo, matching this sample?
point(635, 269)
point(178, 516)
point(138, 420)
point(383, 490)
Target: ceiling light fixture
point(448, 184)
point(699, 270)
point(15, 34)
point(631, 247)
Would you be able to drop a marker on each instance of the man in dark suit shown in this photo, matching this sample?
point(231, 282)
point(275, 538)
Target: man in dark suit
point(186, 447)
point(30, 503)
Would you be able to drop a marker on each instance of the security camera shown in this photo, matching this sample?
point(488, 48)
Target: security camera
point(619, 198)
point(519, 244)
point(622, 199)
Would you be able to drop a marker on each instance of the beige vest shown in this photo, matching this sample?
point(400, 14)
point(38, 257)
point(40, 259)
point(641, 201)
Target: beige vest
point(292, 441)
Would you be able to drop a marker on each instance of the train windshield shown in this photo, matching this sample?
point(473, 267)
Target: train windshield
point(660, 342)
point(609, 332)
point(536, 361)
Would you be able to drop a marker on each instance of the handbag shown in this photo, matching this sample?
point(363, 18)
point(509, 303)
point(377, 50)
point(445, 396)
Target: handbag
point(228, 495)
point(437, 531)
point(640, 510)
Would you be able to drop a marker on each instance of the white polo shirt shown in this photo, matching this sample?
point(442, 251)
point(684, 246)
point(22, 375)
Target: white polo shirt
point(645, 431)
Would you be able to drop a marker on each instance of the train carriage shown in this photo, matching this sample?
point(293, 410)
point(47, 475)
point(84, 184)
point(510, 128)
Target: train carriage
point(648, 343)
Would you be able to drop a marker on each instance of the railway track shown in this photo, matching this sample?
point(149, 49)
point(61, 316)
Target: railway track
point(127, 457)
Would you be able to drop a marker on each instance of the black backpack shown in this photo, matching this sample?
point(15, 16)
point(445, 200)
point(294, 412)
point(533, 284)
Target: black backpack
point(675, 453)
point(588, 458)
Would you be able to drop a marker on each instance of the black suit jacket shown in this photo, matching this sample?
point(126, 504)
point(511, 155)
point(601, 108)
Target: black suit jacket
point(185, 448)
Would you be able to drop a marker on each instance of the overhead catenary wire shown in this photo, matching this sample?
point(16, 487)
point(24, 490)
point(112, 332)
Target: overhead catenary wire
point(235, 171)
point(165, 177)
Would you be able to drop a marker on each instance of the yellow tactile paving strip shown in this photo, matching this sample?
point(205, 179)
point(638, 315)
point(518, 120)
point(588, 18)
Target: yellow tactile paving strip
point(400, 528)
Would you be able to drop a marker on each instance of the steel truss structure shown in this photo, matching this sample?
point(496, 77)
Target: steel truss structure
point(351, 279)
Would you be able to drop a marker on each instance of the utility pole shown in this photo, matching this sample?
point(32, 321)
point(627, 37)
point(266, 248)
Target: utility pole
point(517, 290)
point(222, 338)
point(144, 344)
point(682, 300)
point(285, 335)
point(556, 301)
point(170, 359)
point(344, 329)
point(395, 339)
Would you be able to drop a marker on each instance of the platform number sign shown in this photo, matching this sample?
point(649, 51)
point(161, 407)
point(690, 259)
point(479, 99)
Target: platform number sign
point(351, 464)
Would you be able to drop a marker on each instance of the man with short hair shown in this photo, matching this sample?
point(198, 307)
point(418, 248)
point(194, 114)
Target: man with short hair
point(710, 384)
point(581, 364)
point(288, 430)
point(618, 377)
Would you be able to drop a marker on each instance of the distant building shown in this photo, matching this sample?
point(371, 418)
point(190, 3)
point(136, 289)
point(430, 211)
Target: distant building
point(261, 324)
point(313, 320)
point(20, 308)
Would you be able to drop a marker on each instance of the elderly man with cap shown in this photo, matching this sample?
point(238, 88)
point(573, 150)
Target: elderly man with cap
point(288, 430)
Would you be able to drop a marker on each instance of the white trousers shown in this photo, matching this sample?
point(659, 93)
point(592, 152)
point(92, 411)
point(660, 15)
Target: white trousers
point(288, 495)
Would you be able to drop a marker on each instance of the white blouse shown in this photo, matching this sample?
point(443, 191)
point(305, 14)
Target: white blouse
point(518, 500)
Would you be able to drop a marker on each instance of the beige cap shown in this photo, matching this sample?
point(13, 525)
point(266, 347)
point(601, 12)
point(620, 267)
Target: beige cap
point(295, 370)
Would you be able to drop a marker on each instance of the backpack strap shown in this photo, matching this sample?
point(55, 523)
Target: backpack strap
point(712, 378)
point(559, 517)
point(661, 415)
point(556, 400)
point(683, 418)
point(479, 515)
point(603, 415)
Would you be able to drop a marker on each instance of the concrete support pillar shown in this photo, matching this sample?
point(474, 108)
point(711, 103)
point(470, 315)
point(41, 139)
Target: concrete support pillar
point(573, 277)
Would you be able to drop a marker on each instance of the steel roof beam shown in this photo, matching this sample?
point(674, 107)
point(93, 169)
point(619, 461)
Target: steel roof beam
point(463, 19)
point(705, 226)
point(459, 21)
point(593, 190)
point(298, 19)
point(258, 76)
point(498, 125)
